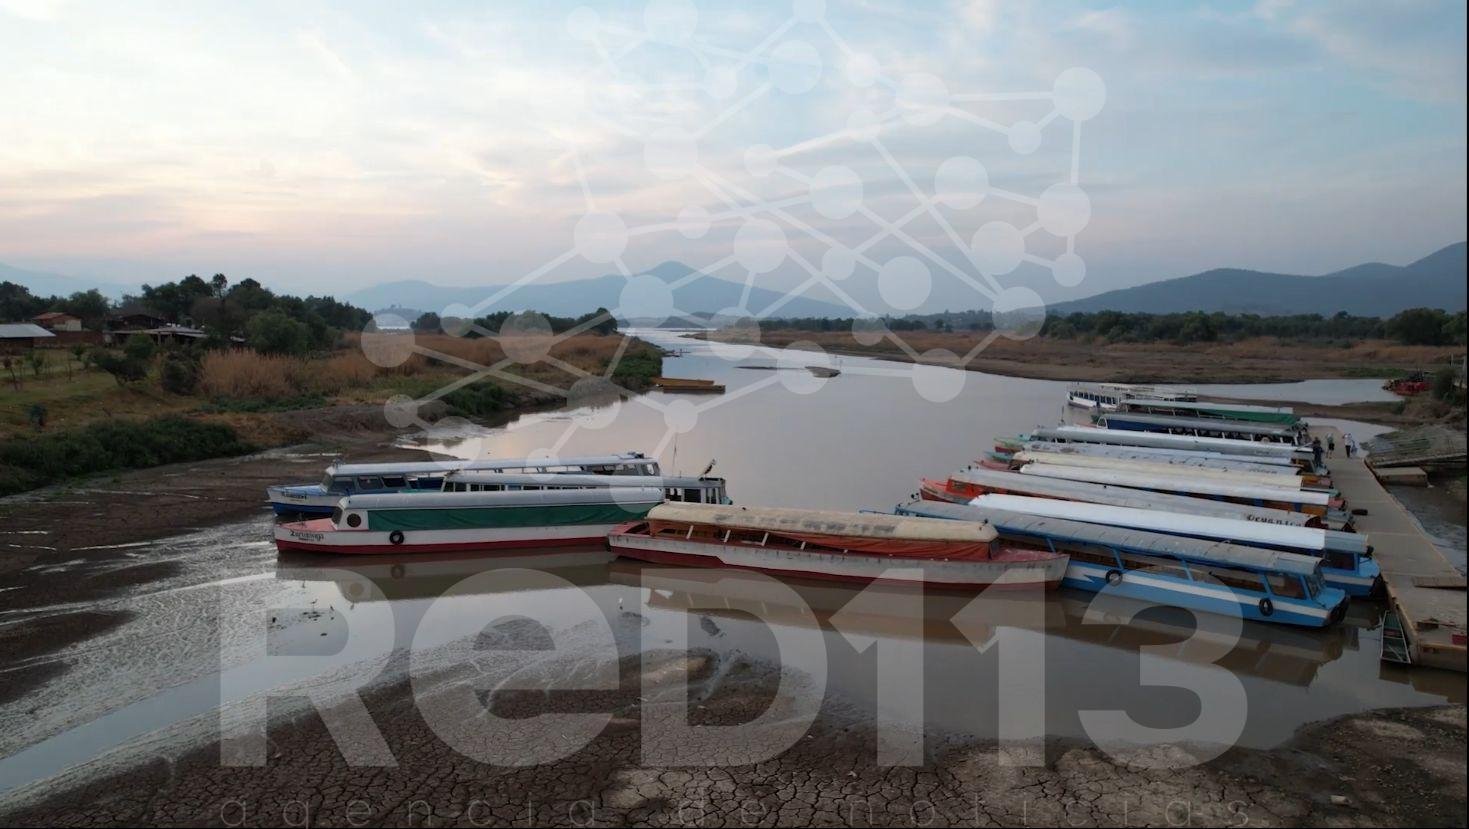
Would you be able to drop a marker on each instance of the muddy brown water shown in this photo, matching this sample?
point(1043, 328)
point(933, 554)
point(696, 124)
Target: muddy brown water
point(223, 623)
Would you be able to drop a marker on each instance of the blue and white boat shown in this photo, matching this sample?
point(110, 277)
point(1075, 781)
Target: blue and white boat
point(1212, 576)
point(1346, 560)
point(343, 479)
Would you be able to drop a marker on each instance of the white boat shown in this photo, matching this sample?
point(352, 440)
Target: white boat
point(1284, 477)
point(1247, 493)
point(342, 479)
point(1121, 437)
point(1348, 568)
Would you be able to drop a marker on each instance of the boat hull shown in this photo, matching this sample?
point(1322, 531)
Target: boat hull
point(1210, 598)
point(319, 536)
point(1043, 572)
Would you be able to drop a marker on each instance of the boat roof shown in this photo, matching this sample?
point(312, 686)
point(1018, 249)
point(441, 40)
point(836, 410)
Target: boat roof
point(451, 464)
point(1120, 496)
point(1093, 434)
point(1207, 423)
point(476, 476)
point(822, 522)
point(1285, 479)
point(513, 498)
point(1142, 541)
point(1178, 483)
point(1159, 453)
point(1203, 405)
point(1224, 529)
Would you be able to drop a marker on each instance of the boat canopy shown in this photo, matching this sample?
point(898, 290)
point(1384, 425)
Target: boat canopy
point(1222, 529)
point(513, 498)
point(1093, 434)
point(1203, 424)
point(822, 522)
point(1223, 411)
point(1123, 538)
point(1283, 479)
point(489, 464)
point(1179, 483)
point(1119, 496)
point(572, 480)
point(1252, 463)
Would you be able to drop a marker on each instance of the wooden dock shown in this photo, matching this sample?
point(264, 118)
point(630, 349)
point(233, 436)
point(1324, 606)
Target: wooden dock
point(1423, 588)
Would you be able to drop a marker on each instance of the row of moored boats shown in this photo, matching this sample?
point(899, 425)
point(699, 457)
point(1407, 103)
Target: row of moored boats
point(1188, 513)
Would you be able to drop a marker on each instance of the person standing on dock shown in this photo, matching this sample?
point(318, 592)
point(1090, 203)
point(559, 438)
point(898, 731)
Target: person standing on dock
point(1316, 451)
point(1330, 444)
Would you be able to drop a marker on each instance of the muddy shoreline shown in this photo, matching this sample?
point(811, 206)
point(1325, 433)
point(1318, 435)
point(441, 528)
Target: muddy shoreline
point(1350, 771)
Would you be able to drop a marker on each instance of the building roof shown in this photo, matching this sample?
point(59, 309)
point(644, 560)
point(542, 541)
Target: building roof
point(22, 331)
point(54, 315)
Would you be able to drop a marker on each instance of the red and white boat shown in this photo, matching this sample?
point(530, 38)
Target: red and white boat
point(843, 546)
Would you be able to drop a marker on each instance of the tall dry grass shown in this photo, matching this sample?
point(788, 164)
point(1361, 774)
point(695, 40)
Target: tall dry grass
point(250, 375)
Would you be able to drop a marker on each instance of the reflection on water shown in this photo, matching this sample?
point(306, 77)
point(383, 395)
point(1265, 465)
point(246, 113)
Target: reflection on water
point(1091, 652)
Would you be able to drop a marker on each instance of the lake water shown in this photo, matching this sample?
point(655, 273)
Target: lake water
point(781, 436)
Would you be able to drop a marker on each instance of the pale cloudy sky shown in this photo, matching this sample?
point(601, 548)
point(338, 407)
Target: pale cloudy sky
point(325, 146)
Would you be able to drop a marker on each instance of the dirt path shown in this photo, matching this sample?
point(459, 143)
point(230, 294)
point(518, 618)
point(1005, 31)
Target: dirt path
point(1352, 771)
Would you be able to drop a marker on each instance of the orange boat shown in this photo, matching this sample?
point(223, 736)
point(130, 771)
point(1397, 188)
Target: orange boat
point(842, 546)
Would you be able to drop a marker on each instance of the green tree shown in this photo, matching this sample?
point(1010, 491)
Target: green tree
point(140, 347)
point(124, 369)
point(272, 332)
point(180, 373)
point(1418, 326)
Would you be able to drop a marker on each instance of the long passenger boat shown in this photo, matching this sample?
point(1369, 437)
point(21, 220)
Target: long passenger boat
point(1346, 557)
point(1212, 576)
point(1282, 415)
point(1299, 500)
point(343, 479)
point(698, 490)
point(835, 545)
point(1284, 478)
point(966, 485)
point(1109, 397)
point(1300, 455)
point(1200, 427)
point(1178, 457)
point(450, 521)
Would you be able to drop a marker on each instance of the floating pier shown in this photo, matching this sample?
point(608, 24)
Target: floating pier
point(1424, 590)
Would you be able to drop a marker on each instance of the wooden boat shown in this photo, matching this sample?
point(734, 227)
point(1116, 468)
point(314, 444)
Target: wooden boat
point(342, 479)
point(1346, 561)
point(841, 546)
point(687, 385)
point(1211, 576)
point(450, 521)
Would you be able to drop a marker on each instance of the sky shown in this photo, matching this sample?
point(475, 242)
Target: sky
point(948, 152)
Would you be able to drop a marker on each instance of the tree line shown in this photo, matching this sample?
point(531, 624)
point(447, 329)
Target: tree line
point(1415, 326)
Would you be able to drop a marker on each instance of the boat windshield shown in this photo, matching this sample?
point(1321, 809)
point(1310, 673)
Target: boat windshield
point(1313, 584)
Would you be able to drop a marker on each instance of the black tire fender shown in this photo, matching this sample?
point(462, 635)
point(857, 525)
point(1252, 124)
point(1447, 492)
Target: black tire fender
point(1267, 607)
point(1114, 576)
point(395, 537)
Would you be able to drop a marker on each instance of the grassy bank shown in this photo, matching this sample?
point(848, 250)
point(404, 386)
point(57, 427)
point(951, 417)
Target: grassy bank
point(1254, 360)
point(54, 422)
point(32, 461)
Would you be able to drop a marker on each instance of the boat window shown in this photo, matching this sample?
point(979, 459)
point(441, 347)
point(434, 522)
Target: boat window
point(1236, 579)
point(336, 515)
point(1313, 585)
point(1286, 585)
point(1339, 560)
point(395, 481)
point(691, 495)
point(369, 483)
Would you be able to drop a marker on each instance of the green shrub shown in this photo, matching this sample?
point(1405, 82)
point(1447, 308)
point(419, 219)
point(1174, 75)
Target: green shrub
point(477, 400)
point(139, 347)
point(272, 332)
point(180, 373)
point(637, 369)
point(37, 460)
point(123, 368)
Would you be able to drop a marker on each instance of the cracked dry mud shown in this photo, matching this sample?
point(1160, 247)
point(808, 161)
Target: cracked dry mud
point(1352, 771)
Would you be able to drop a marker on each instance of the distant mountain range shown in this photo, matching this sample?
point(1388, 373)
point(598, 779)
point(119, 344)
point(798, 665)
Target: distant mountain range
point(45, 283)
point(705, 295)
point(1371, 290)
